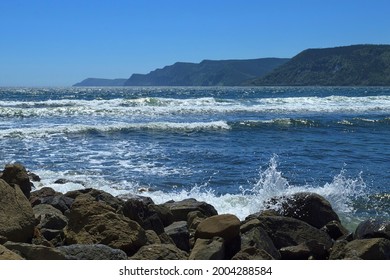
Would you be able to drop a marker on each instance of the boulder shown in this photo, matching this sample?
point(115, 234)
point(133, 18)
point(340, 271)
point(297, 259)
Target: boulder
point(16, 174)
point(160, 252)
point(286, 231)
point(49, 196)
point(94, 221)
point(152, 237)
point(17, 219)
point(49, 217)
point(98, 195)
point(226, 226)
point(252, 253)
point(373, 228)
point(180, 209)
point(35, 252)
point(366, 249)
point(178, 231)
point(253, 235)
point(305, 251)
point(92, 252)
point(208, 249)
point(140, 212)
point(6, 254)
point(335, 230)
point(35, 196)
point(308, 207)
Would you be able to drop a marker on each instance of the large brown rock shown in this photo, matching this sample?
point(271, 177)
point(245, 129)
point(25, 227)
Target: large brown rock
point(17, 219)
point(96, 222)
point(160, 252)
point(226, 226)
point(366, 249)
point(308, 207)
point(180, 209)
point(16, 174)
point(286, 231)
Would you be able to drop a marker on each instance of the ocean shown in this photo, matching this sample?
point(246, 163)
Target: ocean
point(232, 147)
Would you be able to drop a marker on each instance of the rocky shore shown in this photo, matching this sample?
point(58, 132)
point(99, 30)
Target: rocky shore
point(90, 224)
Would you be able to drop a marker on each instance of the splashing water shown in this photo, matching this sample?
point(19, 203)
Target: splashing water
point(343, 193)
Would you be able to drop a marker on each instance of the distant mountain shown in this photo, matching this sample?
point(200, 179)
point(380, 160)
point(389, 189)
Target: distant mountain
point(96, 82)
point(357, 65)
point(207, 73)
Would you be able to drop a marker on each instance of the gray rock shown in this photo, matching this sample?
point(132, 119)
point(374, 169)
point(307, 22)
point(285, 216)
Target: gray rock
point(49, 217)
point(178, 231)
point(35, 252)
point(286, 231)
point(253, 235)
point(308, 207)
point(373, 228)
point(92, 252)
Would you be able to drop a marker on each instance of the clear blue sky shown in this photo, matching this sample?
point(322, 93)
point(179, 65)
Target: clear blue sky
point(59, 43)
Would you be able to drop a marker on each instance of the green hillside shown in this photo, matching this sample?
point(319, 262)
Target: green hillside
point(207, 73)
point(358, 65)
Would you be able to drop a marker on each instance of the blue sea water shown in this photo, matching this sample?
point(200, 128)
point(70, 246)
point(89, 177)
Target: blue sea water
point(232, 147)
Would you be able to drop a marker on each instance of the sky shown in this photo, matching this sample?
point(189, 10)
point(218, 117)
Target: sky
point(59, 43)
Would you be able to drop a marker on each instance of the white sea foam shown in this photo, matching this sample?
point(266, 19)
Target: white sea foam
point(151, 106)
point(52, 130)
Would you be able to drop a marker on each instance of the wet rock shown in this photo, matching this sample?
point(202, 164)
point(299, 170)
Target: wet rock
point(286, 231)
point(373, 228)
point(17, 219)
point(208, 249)
point(49, 217)
point(335, 230)
point(253, 235)
point(16, 174)
point(92, 252)
point(308, 207)
point(160, 252)
point(140, 212)
point(178, 231)
point(94, 221)
point(180, 209)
